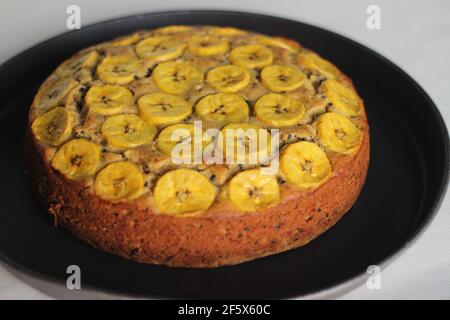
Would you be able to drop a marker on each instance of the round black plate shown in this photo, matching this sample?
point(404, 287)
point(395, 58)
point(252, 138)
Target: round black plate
point(406, 180)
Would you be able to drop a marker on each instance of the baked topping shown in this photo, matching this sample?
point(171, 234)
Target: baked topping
point(120, 69)
point(183, 137)
point(207, 45)
point(244, 143)
point(161, 109)
point(176, 77)
point(282, 78)
point(52, 93)
point(77, 64)
point(183, 191)
point(160, 49)
point(228, 78)
point(337, 133)
point(305, 164)
point(183, 114)
point(251, 190)
point(279, 110)
point(313, 62)
point(124, 131)
point(343, 99)
point(251, 56)
point(77, 159)
point(119, 181)
point(222, 108)
point(109, 100)
point(54, 126)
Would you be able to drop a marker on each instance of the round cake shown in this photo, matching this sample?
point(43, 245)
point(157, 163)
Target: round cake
point(197, 146)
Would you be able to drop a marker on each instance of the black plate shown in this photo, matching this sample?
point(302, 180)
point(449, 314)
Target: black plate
point(407, 176)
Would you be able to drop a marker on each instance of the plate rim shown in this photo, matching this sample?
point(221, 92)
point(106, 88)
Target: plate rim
point(340, 287)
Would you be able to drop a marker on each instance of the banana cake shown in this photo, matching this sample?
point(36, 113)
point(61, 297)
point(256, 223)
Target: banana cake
point(105, 125)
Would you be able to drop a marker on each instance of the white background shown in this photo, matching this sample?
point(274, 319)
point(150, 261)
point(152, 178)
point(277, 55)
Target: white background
point(414, 34)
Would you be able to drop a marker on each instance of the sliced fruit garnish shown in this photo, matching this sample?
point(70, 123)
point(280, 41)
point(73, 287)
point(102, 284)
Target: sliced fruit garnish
point(312, 61)
point(120, 69)
point(282, 78)
point(119, 181)
point(305, 164)
point(227, 31)
point(176, 77)
point(77, 159)
point(52, 93)
point(244, 143)
point(337, 133)
point(207, 45)
point(109, 99)
point(222, 108)
point(251, 56)
point(77, 63)
point(228, 78)
point(250, 190)
point(162, 109)
point(54, 127)
point(160, 48)
point(279, 110)
point(183, 191)
point(127, 131)
point(126, 41)
point(279, 42)
point(343, 98)
point(181, 136)
point(173, 29)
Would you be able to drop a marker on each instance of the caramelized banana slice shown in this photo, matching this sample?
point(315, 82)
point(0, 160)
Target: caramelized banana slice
point(127, 131)
point(162, 109)
point(279, 42)
point(278, 110)
point(77, 63)
point(119, 181)
point(109, 99)
point(181, 135)
point(53, 93)
point(120, 69)
point(282, 78)
point(173, 29)
point(126, 41)
point(160, 48)
point(305, 164)
point(183, 191)
point(337, 133)
point(344, 99)
point(227, 31)
point(54, 127)
point(250, 190)
point(251, 56)
point(77, 159)
point(244, 143)
point(207, 45)
point(228, 78)
point(222, 108)
point(312, 61)
point(176, 77)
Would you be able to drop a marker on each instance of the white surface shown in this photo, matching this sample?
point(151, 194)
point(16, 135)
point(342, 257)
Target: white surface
point(414, 34)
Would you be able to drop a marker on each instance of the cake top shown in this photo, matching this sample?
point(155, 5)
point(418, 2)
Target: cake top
point(184, 118)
